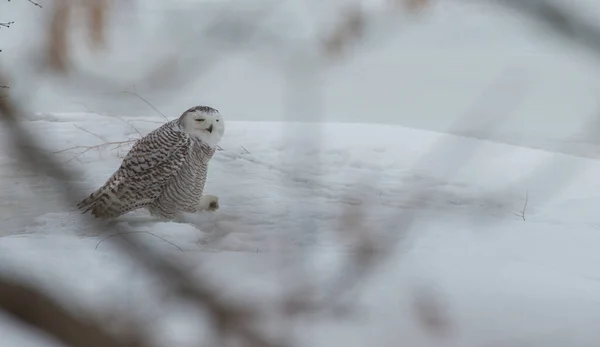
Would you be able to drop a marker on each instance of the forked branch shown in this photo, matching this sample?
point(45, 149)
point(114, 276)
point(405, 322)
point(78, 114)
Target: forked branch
point(522, 212)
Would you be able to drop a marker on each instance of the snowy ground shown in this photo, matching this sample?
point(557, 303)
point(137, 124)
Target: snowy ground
point(503, 281)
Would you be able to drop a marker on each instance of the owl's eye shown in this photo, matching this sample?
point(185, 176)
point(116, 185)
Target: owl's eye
point(200, 120)
point(217, 120)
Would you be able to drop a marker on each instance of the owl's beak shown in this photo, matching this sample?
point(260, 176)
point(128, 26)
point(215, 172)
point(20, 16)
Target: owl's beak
point(210, 129)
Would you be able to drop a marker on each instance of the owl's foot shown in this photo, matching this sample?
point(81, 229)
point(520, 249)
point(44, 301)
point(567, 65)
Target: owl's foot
point(208, 203)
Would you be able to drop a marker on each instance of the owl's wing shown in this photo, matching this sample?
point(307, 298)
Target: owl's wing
point(164, 149)
point(148, 166)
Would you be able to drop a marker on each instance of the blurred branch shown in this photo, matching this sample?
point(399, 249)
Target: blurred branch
point(37, 310)
point(57, 47)
point(169, 68)
point(351, 29)
point(561, 21)
point(97, 21)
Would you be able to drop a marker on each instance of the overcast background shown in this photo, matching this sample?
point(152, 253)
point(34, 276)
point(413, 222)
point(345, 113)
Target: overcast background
point(423, 71)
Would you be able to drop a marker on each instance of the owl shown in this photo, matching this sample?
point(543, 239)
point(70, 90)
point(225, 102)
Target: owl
point(165, 171)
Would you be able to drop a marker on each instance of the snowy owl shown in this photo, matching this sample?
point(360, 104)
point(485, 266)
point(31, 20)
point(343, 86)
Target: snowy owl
point(165, 171)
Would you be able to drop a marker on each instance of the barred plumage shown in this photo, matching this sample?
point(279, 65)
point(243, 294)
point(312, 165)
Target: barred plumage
point(165, 171)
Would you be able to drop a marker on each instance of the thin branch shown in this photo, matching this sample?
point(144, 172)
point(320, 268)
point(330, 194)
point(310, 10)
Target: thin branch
point(85, 149)
point(119, 118)
point(35, 3)
point(129, 124)
point(138, 232)
point(147, 103)
point(119, 144)
point(116, 144)
point(147, 121)
point(84, 105)
point(91, 133)
point(526, 202)
point(522, 214)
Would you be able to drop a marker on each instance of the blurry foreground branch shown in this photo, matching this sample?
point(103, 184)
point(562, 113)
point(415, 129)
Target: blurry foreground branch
point(559, 20)
point(30, 306)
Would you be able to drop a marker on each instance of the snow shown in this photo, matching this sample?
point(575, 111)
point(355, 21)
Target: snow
point(284, 189)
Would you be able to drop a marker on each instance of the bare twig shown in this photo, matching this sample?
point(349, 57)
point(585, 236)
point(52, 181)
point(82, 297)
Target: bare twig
point(85, 149)
point(91, 133)
point(245, 150)
point(526, 202)
point(107, 143)
point(86, 106)
point(147, 103)
point(147, 121)
point(138, 232)
point(6, 24)
point(133, 127)
point(129, 124)
point(35, 3)
point(522, 212)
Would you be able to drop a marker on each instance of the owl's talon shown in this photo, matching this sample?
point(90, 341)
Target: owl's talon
point(208, 203)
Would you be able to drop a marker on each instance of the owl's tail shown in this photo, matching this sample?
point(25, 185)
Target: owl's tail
point(105, 202)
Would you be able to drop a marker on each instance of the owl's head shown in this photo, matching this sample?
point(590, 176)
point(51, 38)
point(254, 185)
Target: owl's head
point(204, 123)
